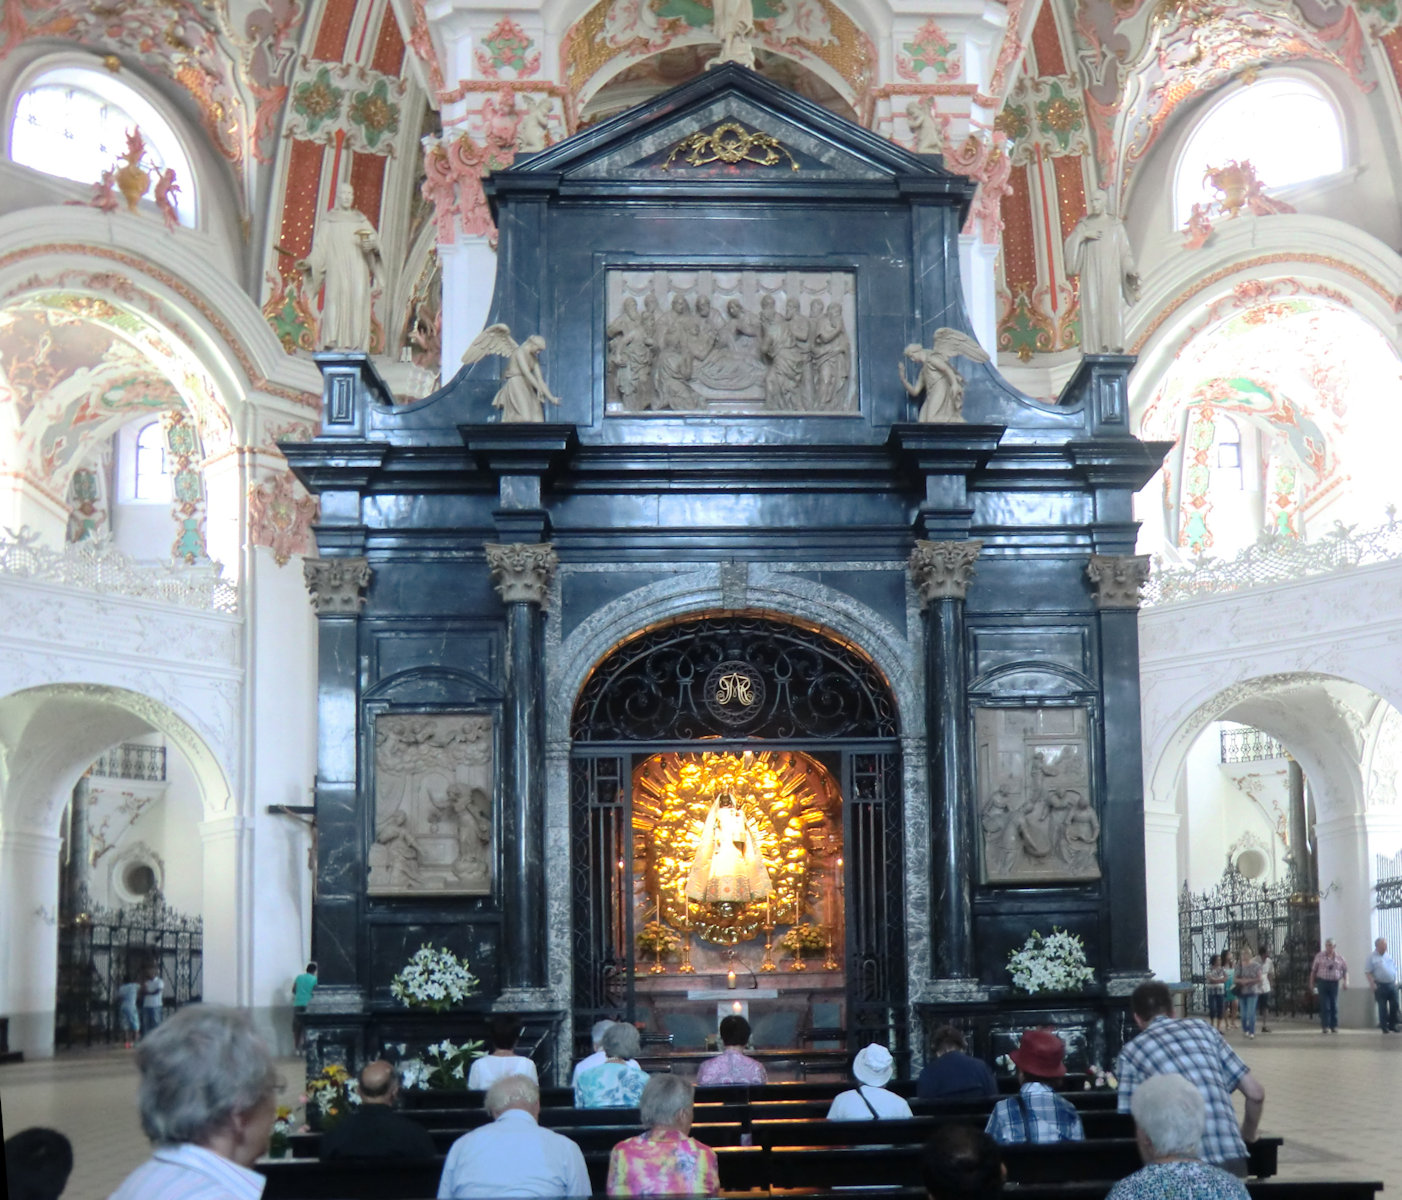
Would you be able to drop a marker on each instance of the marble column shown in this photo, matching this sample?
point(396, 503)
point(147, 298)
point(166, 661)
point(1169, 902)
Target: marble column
point(337, 587)
point(941, 572)
point(1116, 580)
point(521, 573)
point(78, 876)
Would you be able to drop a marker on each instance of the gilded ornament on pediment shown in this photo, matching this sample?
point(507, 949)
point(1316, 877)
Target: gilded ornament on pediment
point(730, 143)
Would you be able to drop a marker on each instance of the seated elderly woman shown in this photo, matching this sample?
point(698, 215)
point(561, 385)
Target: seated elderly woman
point(1169, 1119)
point(664, 1160)
point(617, 1082)
point(208, 1099)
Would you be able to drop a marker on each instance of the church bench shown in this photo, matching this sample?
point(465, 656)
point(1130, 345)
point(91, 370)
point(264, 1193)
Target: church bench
point(905, 1131)
point(1097, 1189)
point(588, 1137)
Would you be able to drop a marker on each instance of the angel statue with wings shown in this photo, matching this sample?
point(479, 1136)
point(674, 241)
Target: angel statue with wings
point(523, 393)
point(942, 384)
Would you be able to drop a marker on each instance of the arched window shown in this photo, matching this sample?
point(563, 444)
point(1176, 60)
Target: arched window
point(151, 480)
point(1285, 125)
point(73, 123)
point(1226, 450)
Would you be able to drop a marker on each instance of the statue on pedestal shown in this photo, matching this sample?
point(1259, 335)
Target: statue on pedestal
point(523, 391)
point(942, 384)
point(728, 867)
point(343, 259)
point(1098, 251)
point(925, 128)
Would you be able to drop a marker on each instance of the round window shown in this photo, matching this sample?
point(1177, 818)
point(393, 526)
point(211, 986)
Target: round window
point(138, 879)
point(1252, 863)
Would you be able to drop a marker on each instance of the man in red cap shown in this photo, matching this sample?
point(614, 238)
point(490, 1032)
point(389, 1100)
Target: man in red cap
point(1037, 1114)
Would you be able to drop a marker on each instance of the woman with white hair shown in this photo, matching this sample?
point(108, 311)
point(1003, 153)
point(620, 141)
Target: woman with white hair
point(618, 1081)
point(1169, 1119)
point(208, 1099)
point(666, 1160)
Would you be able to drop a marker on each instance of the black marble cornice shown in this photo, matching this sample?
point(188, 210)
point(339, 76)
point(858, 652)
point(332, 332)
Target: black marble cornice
point(944, 449)
point(681, 468)
point(334, 465)
point(520, 449)
point(1118, 462)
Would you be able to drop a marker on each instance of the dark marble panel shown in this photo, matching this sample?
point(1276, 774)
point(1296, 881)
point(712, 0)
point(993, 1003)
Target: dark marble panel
point(476, 653)
point(882, 591)
point(1000, 646)
point(585, 592)
point(391, 943)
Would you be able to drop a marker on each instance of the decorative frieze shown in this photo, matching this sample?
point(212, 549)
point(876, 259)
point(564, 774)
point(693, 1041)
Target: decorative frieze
point(1118, 578)
point(521, 571)
point(942, 570)
point(337, 585)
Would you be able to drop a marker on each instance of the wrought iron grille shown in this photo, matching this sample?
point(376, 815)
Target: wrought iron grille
point(99, 948)
point(1387, 899)
point(132, 760)
point(1249, 745)
point(746, 676)
point(1237, 912)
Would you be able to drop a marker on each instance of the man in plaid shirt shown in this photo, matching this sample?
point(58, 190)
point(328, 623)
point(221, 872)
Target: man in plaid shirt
point(1193, 1049)
point(1036, 1114)
point(1328, 973)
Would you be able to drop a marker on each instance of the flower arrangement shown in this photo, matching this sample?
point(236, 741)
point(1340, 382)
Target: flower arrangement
point(331, 1095)
point(1097, 1078)
point(656, 938)
point(281, 1136)
point(433, 979)
point(1050, 963)
point(804, 937)
point(443, 1066)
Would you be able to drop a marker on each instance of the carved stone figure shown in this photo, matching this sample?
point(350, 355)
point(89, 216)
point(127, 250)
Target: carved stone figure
point(734, 24)
point(924, 128)
point(1098, 251)
point(832, 359)
point(523, 391)
point(676, 359)
point(783, 379)
point(344, 258)
point(1036, 816)
point(942, 385)
point(533, 129)
point(432, 804)
point(631, 354)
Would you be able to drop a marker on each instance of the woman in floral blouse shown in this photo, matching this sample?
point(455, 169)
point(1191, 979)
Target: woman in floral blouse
point(664, 1161)
point(617, 1082)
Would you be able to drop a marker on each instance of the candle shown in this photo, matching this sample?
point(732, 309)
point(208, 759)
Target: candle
point(769, 910)
point(736, 1007)
point(730, 979)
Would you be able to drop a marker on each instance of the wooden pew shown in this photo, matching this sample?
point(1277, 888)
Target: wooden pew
point(1096, 1189)
point(904, 1131)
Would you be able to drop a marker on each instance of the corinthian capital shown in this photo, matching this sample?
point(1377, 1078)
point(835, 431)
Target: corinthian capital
point(1118, 578)
point(521, 572)
point(942, 570)
point(337, 585)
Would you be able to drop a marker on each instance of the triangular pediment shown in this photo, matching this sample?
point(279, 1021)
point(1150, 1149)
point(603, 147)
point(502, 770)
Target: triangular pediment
point(732, 125)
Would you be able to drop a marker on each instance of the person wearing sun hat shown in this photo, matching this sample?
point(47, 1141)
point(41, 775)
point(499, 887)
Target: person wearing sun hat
point(870, 1100)
point(1037, 1114)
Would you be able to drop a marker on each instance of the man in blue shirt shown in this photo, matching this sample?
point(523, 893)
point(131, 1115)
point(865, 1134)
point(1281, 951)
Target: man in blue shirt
point(954, 1074)
point(1381, 970)
point(1037, 1114)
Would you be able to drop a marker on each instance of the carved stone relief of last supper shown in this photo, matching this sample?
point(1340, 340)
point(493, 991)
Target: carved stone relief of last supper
point(742, 342)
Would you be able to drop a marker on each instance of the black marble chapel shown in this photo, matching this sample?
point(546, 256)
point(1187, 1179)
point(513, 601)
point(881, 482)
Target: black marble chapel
point(731, 561)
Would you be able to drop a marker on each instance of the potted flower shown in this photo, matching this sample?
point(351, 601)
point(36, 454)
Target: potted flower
point(802, 937)
point(1098, 1078)
point(1054, 962)
point(434, 979)
point(656, 939)
point(330, 1096)
point(281, 1137)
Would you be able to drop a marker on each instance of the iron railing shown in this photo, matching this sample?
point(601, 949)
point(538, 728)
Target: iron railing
point(1245, 744)
point(132, 760)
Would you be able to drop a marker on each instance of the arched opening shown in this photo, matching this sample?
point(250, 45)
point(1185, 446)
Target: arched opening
point(67, 855)
point(736, 821)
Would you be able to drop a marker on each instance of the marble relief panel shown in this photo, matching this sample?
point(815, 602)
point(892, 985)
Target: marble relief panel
point(434, 781)
point(731, 342)
point(1037, 816)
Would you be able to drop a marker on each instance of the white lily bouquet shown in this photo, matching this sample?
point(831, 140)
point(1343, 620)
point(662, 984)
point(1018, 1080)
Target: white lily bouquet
point(433, 979)
point(1055, 962)
point(443, 1066)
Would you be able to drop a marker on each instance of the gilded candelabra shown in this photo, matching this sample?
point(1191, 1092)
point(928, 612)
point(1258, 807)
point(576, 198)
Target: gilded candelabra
point(768, 963)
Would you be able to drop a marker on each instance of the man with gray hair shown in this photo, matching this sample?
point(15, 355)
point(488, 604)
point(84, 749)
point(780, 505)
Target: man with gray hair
point(1170, 1117)
point(513, 1156)
point(596, 1038)
point(208, 1100)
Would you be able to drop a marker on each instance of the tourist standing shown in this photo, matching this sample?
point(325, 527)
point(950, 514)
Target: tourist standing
point(1229, 990)
point(1263, 996)
point(1381, 970)
point(666, 1160)
point(1216, 983)
point(302, 988)
point(732, 1066)
point(1328, 973)
point(1168, 1045)
point(1248, 986)
point(128, 1016)
point(503, 1060)
point(152, 1000)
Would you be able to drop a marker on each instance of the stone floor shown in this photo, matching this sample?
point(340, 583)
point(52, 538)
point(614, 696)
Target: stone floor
point(1331, 1098)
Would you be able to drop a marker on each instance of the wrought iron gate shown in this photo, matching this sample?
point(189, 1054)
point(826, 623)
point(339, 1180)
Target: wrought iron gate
point(1237, 912)
point(100, 948)
point(1387, 899)
point(804, 692)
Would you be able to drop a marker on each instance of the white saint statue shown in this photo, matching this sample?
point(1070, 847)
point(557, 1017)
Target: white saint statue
point(1098, 251)
point(728, 867)
point(734, 25)
point(344, 255)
